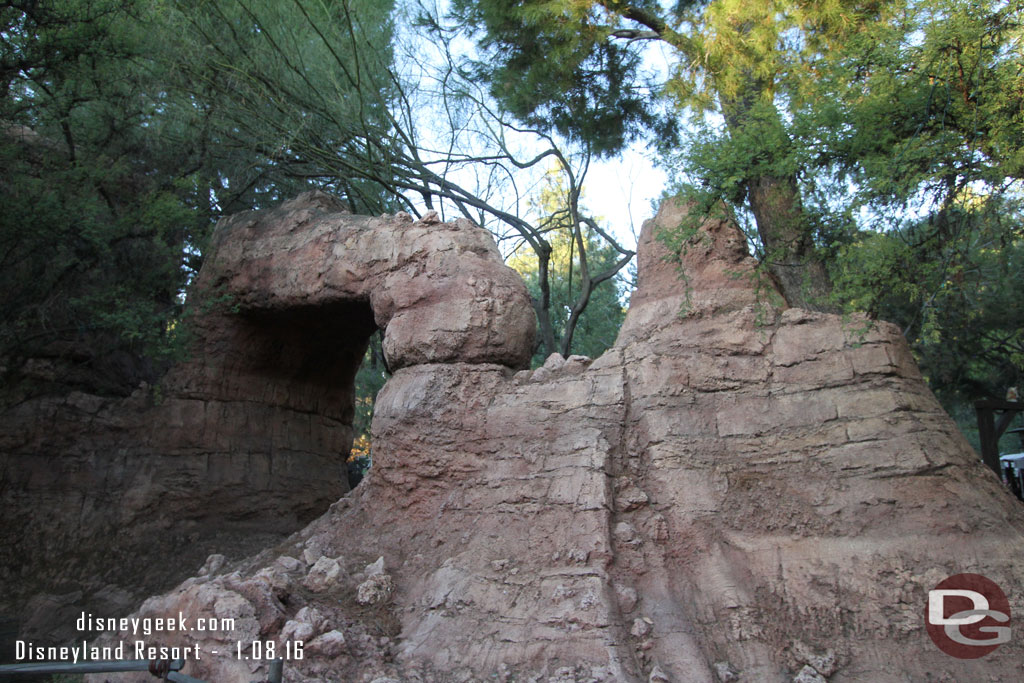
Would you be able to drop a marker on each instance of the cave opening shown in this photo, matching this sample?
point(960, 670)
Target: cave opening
point(324, 364)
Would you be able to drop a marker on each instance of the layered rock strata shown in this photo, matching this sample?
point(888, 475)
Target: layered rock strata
point(733, 492)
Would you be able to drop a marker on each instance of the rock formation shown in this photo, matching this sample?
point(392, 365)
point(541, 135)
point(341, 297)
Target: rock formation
point(733, 492)
point(105, 500)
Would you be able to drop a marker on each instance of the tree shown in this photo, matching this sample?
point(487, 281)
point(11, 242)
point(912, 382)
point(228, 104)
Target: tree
point(842, 129)
point(938, 181)
point(294, 94)
point(727, 57)
point(288, 83)
point(120, 151)
point(911, 131)
point(101, 195)
point(593, 332)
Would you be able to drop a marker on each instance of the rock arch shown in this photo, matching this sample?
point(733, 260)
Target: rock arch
point(738, 493)
point(246, 440)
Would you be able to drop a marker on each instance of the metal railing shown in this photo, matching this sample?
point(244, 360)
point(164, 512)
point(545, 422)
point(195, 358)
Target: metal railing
point(164, 669)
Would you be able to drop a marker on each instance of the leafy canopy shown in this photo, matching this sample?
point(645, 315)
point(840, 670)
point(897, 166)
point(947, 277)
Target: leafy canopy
point(128, 126)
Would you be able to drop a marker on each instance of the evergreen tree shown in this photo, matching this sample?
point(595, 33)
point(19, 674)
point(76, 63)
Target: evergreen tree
point(103, 196)
point(874, 143)
point(578, 66)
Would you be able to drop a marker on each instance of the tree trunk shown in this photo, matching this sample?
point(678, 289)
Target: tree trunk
point(787, 240)
point(782, 225)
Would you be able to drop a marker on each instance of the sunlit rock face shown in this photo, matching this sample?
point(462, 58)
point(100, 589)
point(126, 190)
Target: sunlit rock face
point(732, 492)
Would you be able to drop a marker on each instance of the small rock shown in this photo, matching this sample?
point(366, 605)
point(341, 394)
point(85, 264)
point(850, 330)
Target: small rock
point(290, 564)
point(311, 554)
point(627, 598)
point(554, 362)
point(375, 568)
point(213, 565)
point(294, 630)
point(824, 663)
point(625, 533)
point(630, 497)
point(324, 574)
point(269, 581)
point(330, 644)
point(577, 556)
point(640, 628)
point(541, 374)
point(658, 676)
point(313, 617)
point(725, 673)
point(376, 588)
point(809, 675)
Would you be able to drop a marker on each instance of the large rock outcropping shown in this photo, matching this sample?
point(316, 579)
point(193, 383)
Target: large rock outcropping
point(732, 492)
point(105, 500)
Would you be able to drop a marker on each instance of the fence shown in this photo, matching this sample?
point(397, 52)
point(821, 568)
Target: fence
point(166, 670)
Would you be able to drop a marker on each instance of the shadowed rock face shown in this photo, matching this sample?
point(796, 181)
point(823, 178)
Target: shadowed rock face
point(737, 493)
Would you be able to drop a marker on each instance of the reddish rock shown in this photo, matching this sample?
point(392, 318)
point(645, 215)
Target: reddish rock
point(732, 492)
point(245, 441)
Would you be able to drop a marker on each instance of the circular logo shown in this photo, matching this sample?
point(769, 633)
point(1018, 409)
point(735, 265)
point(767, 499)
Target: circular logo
point(967, 616)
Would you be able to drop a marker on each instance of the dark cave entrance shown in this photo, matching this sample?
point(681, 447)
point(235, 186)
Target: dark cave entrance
point(322, 362)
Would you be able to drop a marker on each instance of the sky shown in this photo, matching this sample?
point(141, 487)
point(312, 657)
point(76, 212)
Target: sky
point(623, 192)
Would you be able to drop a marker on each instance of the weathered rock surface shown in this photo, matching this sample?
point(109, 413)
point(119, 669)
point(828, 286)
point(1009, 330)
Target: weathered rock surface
point(102, 498)
point(739, 493)
point(733, 492)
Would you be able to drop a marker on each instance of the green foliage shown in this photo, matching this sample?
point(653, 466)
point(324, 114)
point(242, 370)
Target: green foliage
point(904, 138)
point(930, 154)
point(128, 126)
point(898, 127)
point(370, 379)
point(961, 309)
point(551, 65)
point(293, 93)
point(101, 213)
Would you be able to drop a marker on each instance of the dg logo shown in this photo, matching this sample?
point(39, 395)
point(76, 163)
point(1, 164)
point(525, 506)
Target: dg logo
point(968, 616)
